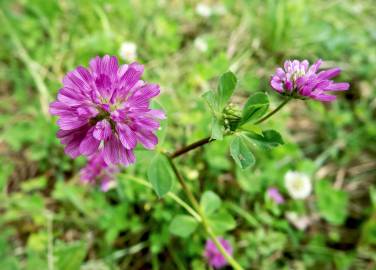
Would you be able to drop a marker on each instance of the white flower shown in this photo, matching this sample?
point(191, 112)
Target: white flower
point(300, 222)
point(128, 51)
point(200, 44)
point(298, 185)
point(203, 10)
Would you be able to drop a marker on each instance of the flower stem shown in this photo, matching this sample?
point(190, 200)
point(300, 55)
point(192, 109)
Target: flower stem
point(170, 194)
point(204, 220)
point(280, 106)
point(190, 147)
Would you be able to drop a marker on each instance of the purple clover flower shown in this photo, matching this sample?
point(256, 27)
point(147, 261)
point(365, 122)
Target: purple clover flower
point(212, 254)
point(299, 80)
point(106, 109)
point(274, 194)
point(97, 170)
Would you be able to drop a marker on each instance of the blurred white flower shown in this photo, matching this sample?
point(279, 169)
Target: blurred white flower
point(200, 44)
point(192, 174)
point(298, 185)
point(128, 51)
point(203, 10)
point(300, 222)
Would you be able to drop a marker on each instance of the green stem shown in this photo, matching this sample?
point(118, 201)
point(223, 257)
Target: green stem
point(205, 222)
point(280, 106)
point(169, 194)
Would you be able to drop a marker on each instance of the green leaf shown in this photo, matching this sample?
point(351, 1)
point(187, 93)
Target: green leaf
point(221, 221)
point(183, 225)
point(255, 107)
point(70, 255)
point(241, 153)
point(252, 128)
point(332, 203)
point(212, 99)
point(226, 87)
point(210, 202)
point(268, 139)
point(217, 129)
point(160, 175)
point(34, 184)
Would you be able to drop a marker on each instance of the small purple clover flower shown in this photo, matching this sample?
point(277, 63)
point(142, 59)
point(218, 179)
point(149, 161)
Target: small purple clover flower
point(212, 254)
point(106, 108)
point(273, 193)
point(97, 170)
point(299, 80)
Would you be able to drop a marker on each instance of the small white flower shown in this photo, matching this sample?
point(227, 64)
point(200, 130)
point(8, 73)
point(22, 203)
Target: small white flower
point(298, 185)
point(300, 222)
point(193, 174)
point(128, 51)
point(203, 10)
point(200, 44)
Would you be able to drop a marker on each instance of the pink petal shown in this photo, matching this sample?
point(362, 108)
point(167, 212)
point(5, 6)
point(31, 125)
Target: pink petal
point(147, 139)
point(159, 114)
point(127, 136)
point(115, 153)
point(328, 74)
point(102, 130)
point(70, 97)
point(325, 98)
point(79, 79)
point(71, 122)
point(89, 144)
point(337, 87)
point(276, 84)
point(315, 67)
point(131, 76)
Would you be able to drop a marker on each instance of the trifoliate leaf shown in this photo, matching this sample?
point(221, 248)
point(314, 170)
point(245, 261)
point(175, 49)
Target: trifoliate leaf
point(160, 175)
point(183, 225)
point(268, 139)
point(221, 221)
point(226, 87)
point(241, 152)
point(332, 203)
point(255, 107)
point(210, 202)
point(217, 129)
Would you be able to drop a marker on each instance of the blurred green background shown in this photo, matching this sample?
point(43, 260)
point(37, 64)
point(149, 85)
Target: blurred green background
point(48, 220)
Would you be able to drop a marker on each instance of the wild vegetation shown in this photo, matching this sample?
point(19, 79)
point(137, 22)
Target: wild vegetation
point(50, 219)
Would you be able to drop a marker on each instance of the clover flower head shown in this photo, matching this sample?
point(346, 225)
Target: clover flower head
point(298, 185)
point(212, 254)
point(275, 195)
point(106, 108)
point(97, 170)
point(299, 80)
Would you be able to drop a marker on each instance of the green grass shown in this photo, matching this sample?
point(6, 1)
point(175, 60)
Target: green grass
point(49, 221)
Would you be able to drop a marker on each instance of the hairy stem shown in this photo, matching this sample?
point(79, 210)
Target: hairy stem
point(204, 221)
point(190, 147)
